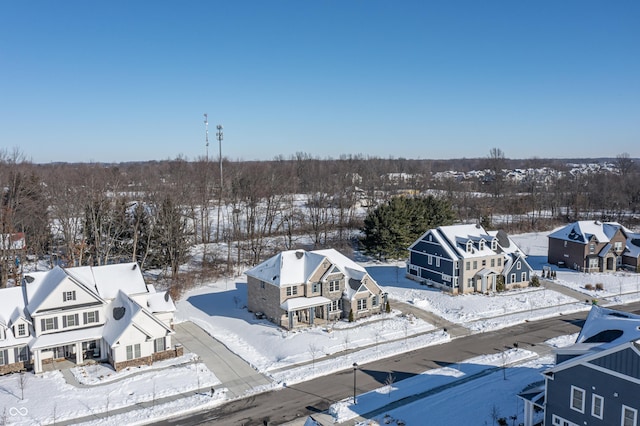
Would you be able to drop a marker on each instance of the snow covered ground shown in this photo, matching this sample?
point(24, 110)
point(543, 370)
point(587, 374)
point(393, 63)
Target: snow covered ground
point(292, 356)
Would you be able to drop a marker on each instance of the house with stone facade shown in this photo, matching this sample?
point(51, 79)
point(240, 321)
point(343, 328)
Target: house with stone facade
point(85, 314)
point(594, 246)
point(298, 288)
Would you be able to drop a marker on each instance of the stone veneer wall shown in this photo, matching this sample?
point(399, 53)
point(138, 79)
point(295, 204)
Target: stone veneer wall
point(169, 353)
point(145, 360)
point(12, 368)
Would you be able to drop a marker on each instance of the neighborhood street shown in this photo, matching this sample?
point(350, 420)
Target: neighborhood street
point(295, 403)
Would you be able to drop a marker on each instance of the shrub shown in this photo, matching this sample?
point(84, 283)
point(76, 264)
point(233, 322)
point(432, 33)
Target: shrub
point(351, 319)
point(535, 281)
point(387, 308)
point(588, 286)
point(599, 286)
point(500, 286)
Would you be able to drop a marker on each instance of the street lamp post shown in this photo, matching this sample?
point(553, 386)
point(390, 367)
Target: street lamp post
point(355, 367)
point(219, 136)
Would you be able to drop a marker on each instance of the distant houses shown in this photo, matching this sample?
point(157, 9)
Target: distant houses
point(594, 246)
point(595, 381)
point(298, 288)
point(467, 258)
point(85, 314)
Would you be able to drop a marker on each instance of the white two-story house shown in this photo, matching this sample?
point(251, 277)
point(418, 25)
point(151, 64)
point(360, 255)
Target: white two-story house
point(103, 313)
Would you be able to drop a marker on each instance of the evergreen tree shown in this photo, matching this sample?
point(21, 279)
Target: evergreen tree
point(392, 227)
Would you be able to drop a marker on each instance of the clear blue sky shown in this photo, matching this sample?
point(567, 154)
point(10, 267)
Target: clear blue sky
point(130, 80)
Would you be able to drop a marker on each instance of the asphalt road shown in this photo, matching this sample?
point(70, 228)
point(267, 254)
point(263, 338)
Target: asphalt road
point(308, 398)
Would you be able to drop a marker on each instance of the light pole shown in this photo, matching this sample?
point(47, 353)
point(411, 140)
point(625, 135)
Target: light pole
point(219, 136)
point(355, 367)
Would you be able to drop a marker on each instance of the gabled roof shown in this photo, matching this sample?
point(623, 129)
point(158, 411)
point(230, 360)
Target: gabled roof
point(583, 230)
point(287, 268)
point(11, 309)
point(454, 239)
point(48, 283)
point(107, 280)
point(297, 266)
point(124, 312)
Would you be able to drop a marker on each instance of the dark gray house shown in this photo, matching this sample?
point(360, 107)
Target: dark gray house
point(596, 381)
point(467, 259)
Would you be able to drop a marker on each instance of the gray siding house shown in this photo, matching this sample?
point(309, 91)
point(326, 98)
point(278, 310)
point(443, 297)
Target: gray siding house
point(466, 259)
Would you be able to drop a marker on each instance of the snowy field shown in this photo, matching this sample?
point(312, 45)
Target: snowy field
point(292, 356)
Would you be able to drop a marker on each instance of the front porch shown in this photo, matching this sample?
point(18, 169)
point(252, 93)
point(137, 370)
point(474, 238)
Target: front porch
point(77, 347)
point(308, 311)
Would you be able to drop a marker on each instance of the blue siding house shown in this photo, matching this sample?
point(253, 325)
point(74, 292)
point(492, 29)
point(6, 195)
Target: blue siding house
point(466, 259)
point(596, 381)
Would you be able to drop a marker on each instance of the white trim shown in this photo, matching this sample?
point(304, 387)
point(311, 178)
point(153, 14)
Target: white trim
point(635, 415)
point(593, 406)
point(574, 390)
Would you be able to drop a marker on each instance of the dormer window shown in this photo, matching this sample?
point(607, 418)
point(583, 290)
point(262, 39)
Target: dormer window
point(21, 330)
point(494, 245)
point(469, 246)
point(481, 244)
point(69, 295)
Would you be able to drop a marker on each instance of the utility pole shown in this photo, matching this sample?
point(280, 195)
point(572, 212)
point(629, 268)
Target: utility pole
point(219, 136)
point(206, 136)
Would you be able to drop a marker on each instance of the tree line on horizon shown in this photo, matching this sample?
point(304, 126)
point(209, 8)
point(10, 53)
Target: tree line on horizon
point(155, 212)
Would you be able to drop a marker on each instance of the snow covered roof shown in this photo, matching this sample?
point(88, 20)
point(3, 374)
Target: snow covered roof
point(11, 308)
point(287, 268)
point(58, 339)
point(296, 266)
point(107, 280)
point(603, 329)
point(583, 230)
point(43, 285)
point(160, 302)
point(454, 240)
point(304, 302)
point(633, 245)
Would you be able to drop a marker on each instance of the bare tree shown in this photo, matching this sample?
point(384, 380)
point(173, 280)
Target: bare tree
point(314, 350)
point(389, 381)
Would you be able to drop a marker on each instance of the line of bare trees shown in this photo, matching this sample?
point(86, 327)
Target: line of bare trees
point(154, 212)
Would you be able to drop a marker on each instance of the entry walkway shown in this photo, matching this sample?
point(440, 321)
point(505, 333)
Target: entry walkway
point(235, 373)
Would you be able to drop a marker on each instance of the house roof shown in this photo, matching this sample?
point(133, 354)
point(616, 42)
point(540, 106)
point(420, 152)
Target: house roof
point(160, 302)
point(296, 266)
point(304, 302)
point(107, 280)
point(454, 238)
point(582, 231)
point(633, 245)
point(11, 308)
point(72, 336)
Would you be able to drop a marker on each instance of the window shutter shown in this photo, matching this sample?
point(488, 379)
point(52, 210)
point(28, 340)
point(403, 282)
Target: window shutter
point(55, 323)
point(84, 317)
point(76, 319)
point(97, 320)
point(64, 322)
point(42, 324)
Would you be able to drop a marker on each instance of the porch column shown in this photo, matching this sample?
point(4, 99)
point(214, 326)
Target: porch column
point(79, 357)
point(37, 361)
point(528, 413)
point(312, 315)
point(290, 313)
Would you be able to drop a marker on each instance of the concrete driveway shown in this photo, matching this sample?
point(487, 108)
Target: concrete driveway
point(235, 373)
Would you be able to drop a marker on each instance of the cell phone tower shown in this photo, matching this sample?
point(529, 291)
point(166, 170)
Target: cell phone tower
point(206, 135)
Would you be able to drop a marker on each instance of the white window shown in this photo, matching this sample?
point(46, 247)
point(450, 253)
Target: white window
point(334, 306)
point(484, 262)
point(292, 291)
point(617, 245)
point(494, 245)
point(593, 263)
point(49, 324)
point(559, 421)
point(456, 265)
point(597, 406)
point(592, 248)
point(446, 278)
point(468, 265)
point(481, 244)
point(577, 399)
point(513, 278)
point(429, 259)
point(362, 304)
point(518, 265)
point(499, 261)
point(470, 282)
point(629, 416)
point(3, 357)
point(315, 288)
point(469, 246)
point(70, 320)
point(374, 301)
point(475, 264)
point(90, 317)
point(493, 263)
point(565, 244)
point(22, 330)
point(437, 262)
point(334, 285)
point(69, 295)
point(523, 276)
point(133, 351)
point(21, 354)
point(159, 344)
